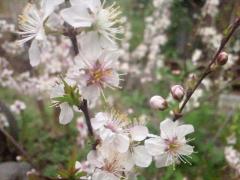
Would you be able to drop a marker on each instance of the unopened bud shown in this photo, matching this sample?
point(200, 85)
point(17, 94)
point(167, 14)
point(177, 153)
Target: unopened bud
point(177, 92)
point(222, 58)
point(158, 102)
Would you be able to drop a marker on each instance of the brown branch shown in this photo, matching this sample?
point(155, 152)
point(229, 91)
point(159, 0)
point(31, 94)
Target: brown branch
point(18, 147)
point(72, 34)
point(208, 70)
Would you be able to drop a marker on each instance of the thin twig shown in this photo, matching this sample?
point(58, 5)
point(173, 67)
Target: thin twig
point(18, 147)
point(208, 70)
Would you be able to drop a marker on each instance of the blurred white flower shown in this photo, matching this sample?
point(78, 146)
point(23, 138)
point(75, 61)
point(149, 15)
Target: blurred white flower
point(18, 106)
point(97, 68)
point(91, 13)
point(232, 157)
point(171, 145)
point(3, 120)
point(31, 25)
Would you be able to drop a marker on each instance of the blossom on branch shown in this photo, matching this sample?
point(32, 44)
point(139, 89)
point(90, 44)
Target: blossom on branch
point(31, 25)
point(171, 145)
point(92, 14)
point(96, 68)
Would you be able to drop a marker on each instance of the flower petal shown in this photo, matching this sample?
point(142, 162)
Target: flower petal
point(77, 16)
point(103, 175)
point(139, 133)
point(164, 160)
point(155, 146)
point(34, 53)
point(121, 142)
point(48, 6)
point(183, 130)
point(66, 114)
point(186, 150)
point(141, 156)
point(90, 47)
point(99, 120)
point(94, 5)
point(167, 128)
point(91, 92)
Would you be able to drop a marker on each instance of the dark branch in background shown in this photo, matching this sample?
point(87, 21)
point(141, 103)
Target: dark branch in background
point(18, 147)
point(208, 70)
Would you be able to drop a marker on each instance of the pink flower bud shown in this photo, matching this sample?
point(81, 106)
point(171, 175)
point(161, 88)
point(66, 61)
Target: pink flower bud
point(177, 92)
point(222, 58)
point(158, 102)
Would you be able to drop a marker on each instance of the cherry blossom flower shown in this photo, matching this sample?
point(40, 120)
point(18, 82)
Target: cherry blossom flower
point(97, 68)
point(31, 25)
point(18, 107)
point(139, 156)
point(92, 14)
point(116, 129)
point(109, 164)
point(171, 145)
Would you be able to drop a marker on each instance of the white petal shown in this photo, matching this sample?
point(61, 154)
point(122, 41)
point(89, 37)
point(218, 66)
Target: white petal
point(121, 142)
point(164, 160)
point(139, 133)
point(112, 79)
point(90, 47)
point(155, 146)
point(77, 16)
point(128, 162)
point(48, 6)
point(167, 128)
point(141, 156)
point(183, 130)
point(34, 53)
point(91, 93)
point(99, 120)
point(94, 5)
point(106, 43)
point(78, 165)
point(94, 159)
point(66, 114)
point(186, 150)
point(103, 175)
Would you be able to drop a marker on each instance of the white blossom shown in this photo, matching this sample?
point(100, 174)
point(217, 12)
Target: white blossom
point(171, 145)
point(97, 68)
point(116, 129)
point(31, 25)
point(18, 106)
point(94, 15)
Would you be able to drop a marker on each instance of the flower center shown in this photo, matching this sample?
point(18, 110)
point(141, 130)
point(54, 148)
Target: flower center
point(172, 145)
point(111, 126)
point(97, 74)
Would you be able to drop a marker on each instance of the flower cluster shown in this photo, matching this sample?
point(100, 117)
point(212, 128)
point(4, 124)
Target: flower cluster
point(120, 144)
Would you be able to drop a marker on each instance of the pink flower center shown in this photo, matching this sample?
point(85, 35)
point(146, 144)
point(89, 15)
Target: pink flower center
point(173, 145)
point(98, 74)
point(111, 126)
